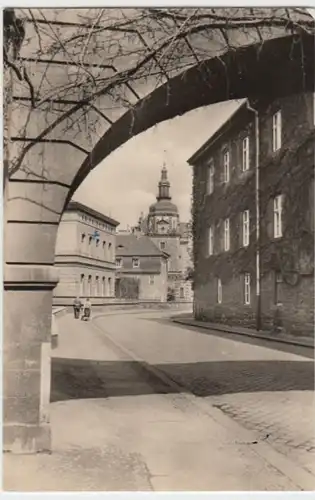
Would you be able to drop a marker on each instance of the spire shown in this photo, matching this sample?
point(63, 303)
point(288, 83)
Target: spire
point(164, 186)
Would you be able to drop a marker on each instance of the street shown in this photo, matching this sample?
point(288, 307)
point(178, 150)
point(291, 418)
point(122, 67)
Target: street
point(141, 403)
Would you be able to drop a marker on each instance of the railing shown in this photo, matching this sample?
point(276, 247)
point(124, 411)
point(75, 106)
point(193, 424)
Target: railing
point(57, 312)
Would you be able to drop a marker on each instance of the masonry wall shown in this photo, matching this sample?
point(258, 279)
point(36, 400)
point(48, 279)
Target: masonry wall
point(172, 247)
point(290, 172)
point(152, 276)
point(86, 265)
point(70, 282)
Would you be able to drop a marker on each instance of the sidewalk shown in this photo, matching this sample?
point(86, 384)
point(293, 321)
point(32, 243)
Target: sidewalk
point(188, 320)
point(115, 429)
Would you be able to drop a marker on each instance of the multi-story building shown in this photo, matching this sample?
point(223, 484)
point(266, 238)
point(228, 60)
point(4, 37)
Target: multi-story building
point(85, 255)
point(253, 218)
point(162, 225)
point(141, 268)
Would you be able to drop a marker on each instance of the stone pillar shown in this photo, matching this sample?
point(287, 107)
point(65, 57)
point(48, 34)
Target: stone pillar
point(32, 210)
point(26, 357)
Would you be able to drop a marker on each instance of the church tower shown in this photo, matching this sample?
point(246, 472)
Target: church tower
point(163, 217)
point(162, 225)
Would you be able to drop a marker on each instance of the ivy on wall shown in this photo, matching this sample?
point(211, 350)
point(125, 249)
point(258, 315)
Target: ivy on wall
point(289, 172)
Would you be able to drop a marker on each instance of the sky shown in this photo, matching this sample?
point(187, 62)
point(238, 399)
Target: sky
point(125, 183)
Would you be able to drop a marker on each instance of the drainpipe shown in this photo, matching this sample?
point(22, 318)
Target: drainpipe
point(257, 206)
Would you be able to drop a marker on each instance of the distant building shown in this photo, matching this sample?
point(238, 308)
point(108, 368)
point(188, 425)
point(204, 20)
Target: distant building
point(85, 255)
point(162, 225)
point(141, 269)
point(256, 267)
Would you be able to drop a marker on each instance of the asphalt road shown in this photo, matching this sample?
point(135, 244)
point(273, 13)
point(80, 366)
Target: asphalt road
point(265, 389)
point(141, 404)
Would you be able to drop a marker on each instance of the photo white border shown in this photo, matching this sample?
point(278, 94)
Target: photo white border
point(286, 495)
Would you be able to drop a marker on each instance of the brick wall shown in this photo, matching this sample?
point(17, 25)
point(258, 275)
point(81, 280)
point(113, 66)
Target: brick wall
point(232, 310)
point(289, 171)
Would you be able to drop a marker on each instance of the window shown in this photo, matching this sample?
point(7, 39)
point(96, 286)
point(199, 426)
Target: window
point(181, 293)
point(276, 131)
point(151, 280)
point(245, 155)
point(103, 286)
point(89, 285)
point(110, 251)
point(82, 238)
point(82, 287)
point(210, 185)
point(90, 244)
point(162, 245)
point(247, 288)
point(226, 167)
point(135, 262)
point(97, 242)
point(277, 216)
point(110, 286)
point(227, 235)
point(219, 294)
point(97, 285)
point(210, 241)
point(278, 288)
point(245, 228)
point(118, 262)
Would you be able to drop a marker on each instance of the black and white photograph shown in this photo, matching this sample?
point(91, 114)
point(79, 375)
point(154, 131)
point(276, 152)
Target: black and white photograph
point(158, 249)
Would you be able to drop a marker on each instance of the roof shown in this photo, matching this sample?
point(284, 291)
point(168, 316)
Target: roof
point(219, 132)
point(137, 246)
point(163, 206)
point(76, 206)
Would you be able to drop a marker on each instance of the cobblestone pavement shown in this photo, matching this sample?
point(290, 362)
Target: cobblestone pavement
point(265, 390)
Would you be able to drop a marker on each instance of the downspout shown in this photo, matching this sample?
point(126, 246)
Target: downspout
point(257, 207)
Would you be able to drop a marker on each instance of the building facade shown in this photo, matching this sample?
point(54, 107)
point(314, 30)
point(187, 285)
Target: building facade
point(85, 255)
point(141, 268)
point(162, 225)
point(253, 218)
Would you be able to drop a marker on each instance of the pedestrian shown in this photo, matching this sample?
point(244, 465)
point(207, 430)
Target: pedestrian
point(77, 305)
point(87, 310)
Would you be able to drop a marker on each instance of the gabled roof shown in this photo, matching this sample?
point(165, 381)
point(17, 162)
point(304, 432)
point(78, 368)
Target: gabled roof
point(130, 245)
point(221, 131)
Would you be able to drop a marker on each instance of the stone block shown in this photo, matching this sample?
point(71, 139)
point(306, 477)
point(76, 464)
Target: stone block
point(22, 384)
point(48, 162)
point(21, 410)
point(27, 317)
point(32, 202)
point(36, 243)
point(21, 356)
point(26, 438)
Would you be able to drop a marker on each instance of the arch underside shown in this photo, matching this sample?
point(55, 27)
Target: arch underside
point(54, 164)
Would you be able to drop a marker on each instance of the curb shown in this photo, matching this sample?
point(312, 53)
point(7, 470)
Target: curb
point(234, 332)
point(303, 479)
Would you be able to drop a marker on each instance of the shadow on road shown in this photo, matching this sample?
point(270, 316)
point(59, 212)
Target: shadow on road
point(84, 379)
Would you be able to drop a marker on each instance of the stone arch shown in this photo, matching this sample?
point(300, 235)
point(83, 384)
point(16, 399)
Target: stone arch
point(53, 169)
point(279, 67)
